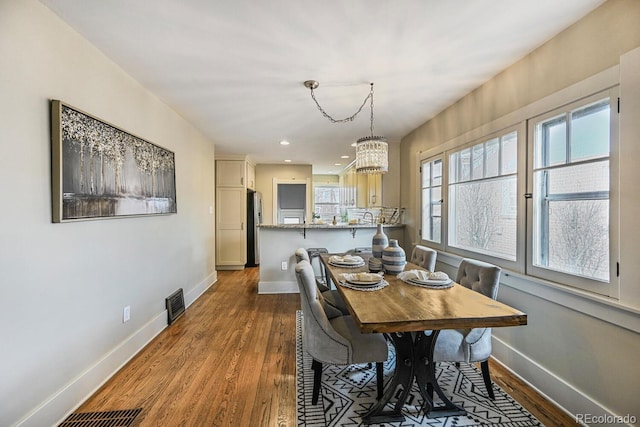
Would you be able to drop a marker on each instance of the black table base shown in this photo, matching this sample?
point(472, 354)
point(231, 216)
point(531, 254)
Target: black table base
point(414, 359)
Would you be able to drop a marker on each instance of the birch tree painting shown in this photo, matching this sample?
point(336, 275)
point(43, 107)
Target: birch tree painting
point(107, 172)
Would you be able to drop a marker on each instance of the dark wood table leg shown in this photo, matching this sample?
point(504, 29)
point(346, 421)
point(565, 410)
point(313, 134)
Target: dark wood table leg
point(425, 373)
point(402, 379)
point(414, 355)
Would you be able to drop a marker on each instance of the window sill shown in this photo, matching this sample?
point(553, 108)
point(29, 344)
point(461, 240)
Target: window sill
point(600, 307)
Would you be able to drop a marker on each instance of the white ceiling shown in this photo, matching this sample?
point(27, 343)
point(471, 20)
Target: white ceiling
point(235, 68)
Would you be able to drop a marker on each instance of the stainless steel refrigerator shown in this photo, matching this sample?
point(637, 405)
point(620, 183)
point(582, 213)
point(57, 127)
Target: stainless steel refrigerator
point(254, 218)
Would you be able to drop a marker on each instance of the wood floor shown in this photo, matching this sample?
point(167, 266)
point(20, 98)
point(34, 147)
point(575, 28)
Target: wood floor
point(230, 361)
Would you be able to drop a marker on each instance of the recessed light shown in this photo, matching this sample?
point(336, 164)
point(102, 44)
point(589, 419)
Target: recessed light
point(337, 164)
point(344, 157)
point(283, 142)
point(287, 161)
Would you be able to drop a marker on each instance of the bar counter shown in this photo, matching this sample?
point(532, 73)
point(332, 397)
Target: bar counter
point(278, 243)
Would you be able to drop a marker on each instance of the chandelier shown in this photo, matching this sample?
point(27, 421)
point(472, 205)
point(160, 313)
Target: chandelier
point(372, 152)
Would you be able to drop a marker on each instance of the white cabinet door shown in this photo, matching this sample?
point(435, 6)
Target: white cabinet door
point(231, 235)
point(375, 190)
point(230, 173)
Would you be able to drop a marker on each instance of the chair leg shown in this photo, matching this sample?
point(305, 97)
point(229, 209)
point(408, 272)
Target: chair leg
point(317, 379)
point(380, 379)
point(487, 379)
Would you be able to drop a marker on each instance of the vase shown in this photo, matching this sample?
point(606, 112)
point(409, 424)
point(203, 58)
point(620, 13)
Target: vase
point(393, 258)
point(379, 242)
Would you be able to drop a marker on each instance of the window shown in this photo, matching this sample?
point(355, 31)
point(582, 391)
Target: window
point(327, 202)
point(571, 194)
point(539, 198)
point(432, 200)
point(482, 197)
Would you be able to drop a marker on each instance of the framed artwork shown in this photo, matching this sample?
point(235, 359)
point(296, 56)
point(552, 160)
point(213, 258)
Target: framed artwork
point(101, 171)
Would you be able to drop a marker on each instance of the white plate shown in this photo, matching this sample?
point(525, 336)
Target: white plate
point(338, 264)
point(430, 282)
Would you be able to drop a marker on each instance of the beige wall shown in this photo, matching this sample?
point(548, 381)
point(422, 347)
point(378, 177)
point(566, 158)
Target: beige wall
point(265, 174)
point(577, 349)
point(65, 285)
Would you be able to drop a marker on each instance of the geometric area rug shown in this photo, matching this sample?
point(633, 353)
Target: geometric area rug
point(347, 392)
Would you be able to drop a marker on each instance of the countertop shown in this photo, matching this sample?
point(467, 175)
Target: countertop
point(329, 226)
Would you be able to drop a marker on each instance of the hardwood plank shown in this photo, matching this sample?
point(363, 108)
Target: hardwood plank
point(230, 360)
point(547, 412)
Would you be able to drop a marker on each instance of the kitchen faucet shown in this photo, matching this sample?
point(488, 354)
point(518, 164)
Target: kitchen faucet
point(365, 215)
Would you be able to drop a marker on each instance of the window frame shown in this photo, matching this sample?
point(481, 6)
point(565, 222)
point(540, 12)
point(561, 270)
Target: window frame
point(443, 203)
point(612, 288)
point(518, 263)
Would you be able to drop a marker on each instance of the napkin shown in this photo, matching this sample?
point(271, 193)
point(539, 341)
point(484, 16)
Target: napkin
point(363, 277)
point(422, 275)
point(347, 259)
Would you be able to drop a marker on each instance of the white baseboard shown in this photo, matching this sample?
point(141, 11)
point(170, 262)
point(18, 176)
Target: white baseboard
point(555, 389)
point(195, 292)
point(79, 389)
point(285, 287)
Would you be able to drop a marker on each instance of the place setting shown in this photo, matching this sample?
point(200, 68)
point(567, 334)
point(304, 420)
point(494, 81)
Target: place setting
point(363, 281)
point(426, 279)
point(346, 261)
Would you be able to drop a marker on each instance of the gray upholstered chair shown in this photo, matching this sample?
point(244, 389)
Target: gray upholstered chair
point(424, 257)
point(331, 296)
point(334, 340)
point(471, 345)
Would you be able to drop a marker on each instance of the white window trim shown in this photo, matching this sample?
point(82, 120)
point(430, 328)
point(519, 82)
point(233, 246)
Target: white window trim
point(443, 205)
point(611, 289)
point(518, 264)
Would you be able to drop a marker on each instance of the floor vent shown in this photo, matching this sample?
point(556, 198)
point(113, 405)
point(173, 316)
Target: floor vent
point(123, 418)
point(175, 305)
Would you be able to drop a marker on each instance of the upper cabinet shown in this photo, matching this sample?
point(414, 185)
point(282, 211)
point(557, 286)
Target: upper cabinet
point(360, 190)
point(230, 173)
point(374, 190)
point(235, 173)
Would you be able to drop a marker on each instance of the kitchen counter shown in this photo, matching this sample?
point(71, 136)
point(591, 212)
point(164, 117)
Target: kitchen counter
point(329, 226)
point(278, 243)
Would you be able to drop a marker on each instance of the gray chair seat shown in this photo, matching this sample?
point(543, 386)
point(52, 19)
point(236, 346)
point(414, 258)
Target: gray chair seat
point(335, 340)
point(471, 345)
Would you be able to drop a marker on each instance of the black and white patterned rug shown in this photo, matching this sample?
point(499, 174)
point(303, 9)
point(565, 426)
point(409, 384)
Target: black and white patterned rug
point(347, 392)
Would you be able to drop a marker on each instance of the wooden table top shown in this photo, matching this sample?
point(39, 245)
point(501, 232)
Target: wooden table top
point(401, 307)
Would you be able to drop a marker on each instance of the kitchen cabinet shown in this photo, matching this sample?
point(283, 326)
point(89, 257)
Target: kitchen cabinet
point(232, 179)
point(231, 236)
point(374, 190)
point(348, 188)
point(230, 173)
point(360, 190)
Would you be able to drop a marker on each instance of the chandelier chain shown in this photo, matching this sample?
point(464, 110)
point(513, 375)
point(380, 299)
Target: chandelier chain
point(371, 94)
point(350, 118)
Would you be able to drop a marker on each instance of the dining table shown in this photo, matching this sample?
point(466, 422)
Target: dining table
point(412, 316)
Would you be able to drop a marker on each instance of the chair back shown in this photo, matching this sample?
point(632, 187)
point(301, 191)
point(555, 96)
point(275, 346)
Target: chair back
point(321, 340)
point(480, 276)
point(424, 257)
point(302, 254)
